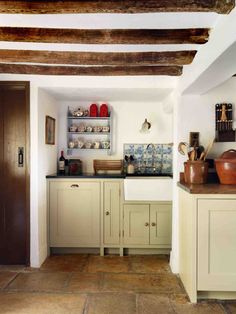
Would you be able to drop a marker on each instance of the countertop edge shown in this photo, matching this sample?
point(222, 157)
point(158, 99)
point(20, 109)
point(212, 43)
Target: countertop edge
point(208, 188)
point(106, 176)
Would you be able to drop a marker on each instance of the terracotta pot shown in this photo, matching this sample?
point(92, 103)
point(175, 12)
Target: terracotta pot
point(226, 167)
point(195, 172)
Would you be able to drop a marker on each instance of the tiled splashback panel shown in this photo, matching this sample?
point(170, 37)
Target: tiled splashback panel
point(153, 156)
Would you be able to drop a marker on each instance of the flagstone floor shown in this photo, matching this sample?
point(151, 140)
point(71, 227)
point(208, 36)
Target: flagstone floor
point(90, 284)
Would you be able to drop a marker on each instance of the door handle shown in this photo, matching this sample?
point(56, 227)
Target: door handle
point(74, 185)
point(20, 156)
point(153, 224)
point(146, 224)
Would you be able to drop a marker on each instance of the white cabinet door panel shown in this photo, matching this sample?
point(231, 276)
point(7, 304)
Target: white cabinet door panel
point(217, 245)
point(136, 224)
point(75, 214)
point(111, 213)
point(160, 225)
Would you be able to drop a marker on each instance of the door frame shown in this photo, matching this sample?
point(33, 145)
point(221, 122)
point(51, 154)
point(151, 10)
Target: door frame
point(26, 86)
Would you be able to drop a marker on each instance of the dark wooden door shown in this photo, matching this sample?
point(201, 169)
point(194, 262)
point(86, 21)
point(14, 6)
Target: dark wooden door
point(14, 173)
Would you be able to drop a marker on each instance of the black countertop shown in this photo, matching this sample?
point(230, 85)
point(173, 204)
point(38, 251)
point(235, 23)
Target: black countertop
point(107, 176)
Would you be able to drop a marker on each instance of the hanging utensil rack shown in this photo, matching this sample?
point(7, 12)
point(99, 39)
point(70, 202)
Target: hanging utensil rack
point(224, 123)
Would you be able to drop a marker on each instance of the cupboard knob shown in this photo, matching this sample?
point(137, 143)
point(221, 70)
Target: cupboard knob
point(153, 224)
point(74, 185)
point(146, 224)
point(107, 213)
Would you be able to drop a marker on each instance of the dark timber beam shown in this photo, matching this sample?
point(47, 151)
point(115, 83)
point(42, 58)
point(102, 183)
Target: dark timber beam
point(98, 58)
point(90, 71)
point(115, 6)
point(105, 36)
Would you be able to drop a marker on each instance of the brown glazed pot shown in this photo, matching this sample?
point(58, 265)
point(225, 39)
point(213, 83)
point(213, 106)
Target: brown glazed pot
point(195, 172)
point(226, 167)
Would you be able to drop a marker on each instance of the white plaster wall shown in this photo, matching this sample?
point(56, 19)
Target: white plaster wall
point(47, 164)
point(128, 117)
point(196, 113)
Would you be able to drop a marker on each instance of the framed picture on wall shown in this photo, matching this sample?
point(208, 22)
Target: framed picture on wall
point(50, 130)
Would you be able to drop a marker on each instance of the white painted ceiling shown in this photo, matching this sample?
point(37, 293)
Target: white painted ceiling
point(108, 94)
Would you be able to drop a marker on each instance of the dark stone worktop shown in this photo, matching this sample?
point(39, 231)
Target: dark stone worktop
point(209, 188)
point(87, 175)
point(106, 176)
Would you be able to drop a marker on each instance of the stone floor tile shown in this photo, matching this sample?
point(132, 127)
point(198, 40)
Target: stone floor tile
point(198, 308)
point(39, 281)
point(6, 277)
point(230, 307)
point(65, 263)
point(84, 282)
point(150, 264)
point(154, 304)
point(111, 304)
point(142, 283)
point(114, 264)
point(15, 268)
point(34, 303)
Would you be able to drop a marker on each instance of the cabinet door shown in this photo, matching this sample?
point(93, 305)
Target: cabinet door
point(111, 213)
point(136, 224)
point(74, 214)
point(216, 245)
point(160, 225)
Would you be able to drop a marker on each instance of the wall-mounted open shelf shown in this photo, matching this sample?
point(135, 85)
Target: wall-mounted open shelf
point(104, 138)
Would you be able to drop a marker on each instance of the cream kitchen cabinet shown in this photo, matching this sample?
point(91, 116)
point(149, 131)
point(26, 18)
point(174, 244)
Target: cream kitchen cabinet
point(111, 213)
point(74, 213)
point(207, 245)
point(147, 224)
point(92, 213)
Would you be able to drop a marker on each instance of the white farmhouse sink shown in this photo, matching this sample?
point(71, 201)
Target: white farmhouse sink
point(148, 189)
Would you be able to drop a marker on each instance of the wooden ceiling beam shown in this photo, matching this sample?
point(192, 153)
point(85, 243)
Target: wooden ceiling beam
point(90, 71)
point(98, 58)
point(115, 6)
point(105, 36)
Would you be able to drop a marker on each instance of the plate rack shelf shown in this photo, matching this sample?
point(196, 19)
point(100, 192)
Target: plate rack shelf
point(104, 138)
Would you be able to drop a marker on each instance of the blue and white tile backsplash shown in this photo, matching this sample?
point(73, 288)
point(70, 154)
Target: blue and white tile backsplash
point(158, 156)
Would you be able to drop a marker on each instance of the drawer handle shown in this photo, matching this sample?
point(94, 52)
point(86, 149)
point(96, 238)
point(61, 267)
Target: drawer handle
point(146, 224)
point(74, 185)
point(153, 224)
point(107, 213)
